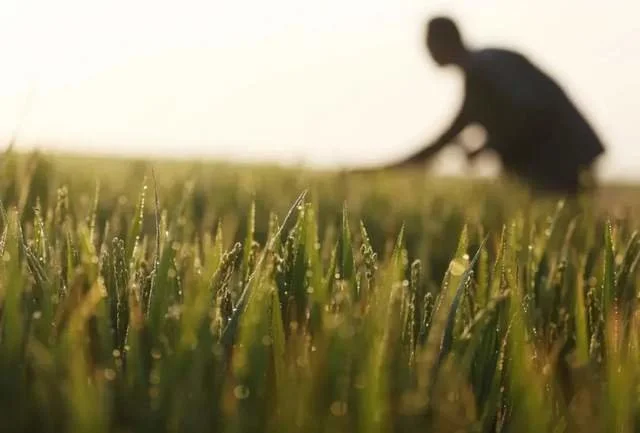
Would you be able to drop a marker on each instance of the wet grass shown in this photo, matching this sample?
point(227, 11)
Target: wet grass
point(233, 300)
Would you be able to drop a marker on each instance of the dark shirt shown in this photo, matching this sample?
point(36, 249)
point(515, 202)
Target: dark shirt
point(529, 120)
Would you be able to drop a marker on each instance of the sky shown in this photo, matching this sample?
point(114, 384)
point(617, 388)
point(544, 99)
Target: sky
point(326, 83)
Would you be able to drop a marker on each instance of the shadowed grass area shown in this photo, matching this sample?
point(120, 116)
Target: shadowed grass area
point(198, 298)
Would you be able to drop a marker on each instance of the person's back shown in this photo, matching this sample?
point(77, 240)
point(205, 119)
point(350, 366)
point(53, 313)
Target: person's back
point(530, 121)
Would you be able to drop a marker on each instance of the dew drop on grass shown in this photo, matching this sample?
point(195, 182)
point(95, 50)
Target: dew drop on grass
point(339, 408)
point(174, 312)
point(116, 353)
point(241, 392)
point(457, 268)
point(37, 315)
point(266, 340)
point(109, 374)
point(156, 354)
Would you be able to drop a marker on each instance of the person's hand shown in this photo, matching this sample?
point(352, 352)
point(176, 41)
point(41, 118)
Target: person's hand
point(472, 155)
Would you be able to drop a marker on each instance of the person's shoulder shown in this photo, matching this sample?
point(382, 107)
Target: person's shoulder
point(494, 55)
point(494, 52)
point(502, 64)
point(506, 70)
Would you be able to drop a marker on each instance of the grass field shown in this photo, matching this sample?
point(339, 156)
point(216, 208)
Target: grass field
point(213, 298)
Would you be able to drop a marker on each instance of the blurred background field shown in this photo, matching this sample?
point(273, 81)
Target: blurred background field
point(429, 207)
point(197, 297)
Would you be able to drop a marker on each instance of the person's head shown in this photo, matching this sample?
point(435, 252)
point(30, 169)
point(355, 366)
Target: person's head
point(444, 41)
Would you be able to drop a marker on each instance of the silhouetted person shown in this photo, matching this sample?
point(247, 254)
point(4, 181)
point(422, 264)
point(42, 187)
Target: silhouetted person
point(532, 125)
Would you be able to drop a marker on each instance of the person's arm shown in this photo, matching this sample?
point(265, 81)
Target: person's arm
point(420, 157)
point(427, 152)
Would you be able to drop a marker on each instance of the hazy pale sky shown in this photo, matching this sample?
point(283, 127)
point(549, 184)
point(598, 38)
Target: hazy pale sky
point(322, 82)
